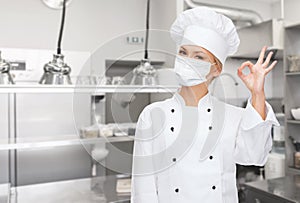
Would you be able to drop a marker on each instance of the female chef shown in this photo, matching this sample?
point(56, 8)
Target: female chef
point(186, 147)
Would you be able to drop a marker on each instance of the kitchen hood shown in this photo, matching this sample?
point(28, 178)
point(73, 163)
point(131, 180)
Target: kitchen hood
point(253, 38)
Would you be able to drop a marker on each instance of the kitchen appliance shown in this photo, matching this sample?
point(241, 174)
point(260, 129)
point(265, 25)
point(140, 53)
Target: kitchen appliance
point(57, 71)
point(145, 73)
point(5, 77)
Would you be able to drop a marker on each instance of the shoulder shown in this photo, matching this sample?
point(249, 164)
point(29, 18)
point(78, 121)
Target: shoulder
point(156, 106)
point(159, 104)
point(230, 109)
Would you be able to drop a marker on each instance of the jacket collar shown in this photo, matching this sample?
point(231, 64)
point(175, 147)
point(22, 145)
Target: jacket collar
point(218, 118)
point(204, 102)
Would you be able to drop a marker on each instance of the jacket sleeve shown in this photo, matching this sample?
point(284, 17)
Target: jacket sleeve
point(143, 188)
point(254, 141)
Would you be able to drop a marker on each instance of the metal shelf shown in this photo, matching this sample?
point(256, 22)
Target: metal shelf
point(291, 93)
point(57, 141)
point(93, 89)
point(279, 115)
point(292, 73)
point(293, 121)
point(292, 25)
point(293, 170)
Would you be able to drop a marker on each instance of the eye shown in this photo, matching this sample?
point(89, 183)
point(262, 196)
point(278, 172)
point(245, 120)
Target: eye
point(199, 57)
point(182, 52)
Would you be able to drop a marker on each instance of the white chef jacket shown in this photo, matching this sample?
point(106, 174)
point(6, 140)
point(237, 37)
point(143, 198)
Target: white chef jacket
point(166, 169)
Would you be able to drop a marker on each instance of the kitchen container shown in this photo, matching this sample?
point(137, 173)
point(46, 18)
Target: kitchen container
point(294, 63)
point(297, 160)
point(106, 130)
point(297, 153)
point(89, 132)
point(296, 113)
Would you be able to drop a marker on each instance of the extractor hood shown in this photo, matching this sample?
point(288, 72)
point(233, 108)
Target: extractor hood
point(253, 38)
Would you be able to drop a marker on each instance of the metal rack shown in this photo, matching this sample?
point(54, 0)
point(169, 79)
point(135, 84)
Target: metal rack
point(65, 140)
point(14, 144)
point(292, 93)
point(93, 89)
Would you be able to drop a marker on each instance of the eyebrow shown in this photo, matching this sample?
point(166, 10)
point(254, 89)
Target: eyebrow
point(199, 52)
point(194, 51)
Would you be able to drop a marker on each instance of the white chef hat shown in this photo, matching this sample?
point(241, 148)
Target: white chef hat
point(204, 27)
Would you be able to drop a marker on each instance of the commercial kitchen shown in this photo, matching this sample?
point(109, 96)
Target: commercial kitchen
point(79, 79)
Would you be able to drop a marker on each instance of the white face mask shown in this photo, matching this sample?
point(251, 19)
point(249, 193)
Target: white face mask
point(190, 71)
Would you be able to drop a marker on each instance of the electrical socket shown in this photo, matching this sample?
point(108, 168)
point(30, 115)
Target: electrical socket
point(135, 40)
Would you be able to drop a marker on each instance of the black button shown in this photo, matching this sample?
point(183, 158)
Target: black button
point(176, 190)
point(172, 110)
point(211, 157)
point(213, 187)
point(174, 159)
point(210, 127)
point(208, 110)
point(172, 129)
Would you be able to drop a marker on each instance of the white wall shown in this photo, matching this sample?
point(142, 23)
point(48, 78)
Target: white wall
point(92, 24)
point(291, 11)
point(30, 24)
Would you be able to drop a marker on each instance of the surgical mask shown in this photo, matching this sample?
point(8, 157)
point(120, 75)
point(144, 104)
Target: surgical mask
point(190, 71)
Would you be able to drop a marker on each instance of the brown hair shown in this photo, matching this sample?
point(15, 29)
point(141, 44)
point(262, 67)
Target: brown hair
point(219, 64)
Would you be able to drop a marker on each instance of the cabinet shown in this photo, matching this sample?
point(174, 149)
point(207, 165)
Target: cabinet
point(292, 94)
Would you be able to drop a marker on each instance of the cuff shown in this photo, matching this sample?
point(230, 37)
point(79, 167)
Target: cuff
point(252, 118)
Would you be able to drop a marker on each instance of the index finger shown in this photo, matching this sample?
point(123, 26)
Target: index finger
point(246, 64)
point(262, 55)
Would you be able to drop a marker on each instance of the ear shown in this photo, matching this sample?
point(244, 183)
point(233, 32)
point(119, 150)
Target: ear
point(218, 65)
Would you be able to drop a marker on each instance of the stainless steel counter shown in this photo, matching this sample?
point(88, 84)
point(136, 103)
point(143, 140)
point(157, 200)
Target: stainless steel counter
point(4, 193)
point(89, 190)
point(285, 189)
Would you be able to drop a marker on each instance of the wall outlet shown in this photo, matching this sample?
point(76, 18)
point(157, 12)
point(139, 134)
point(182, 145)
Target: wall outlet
point(18, 65)
point(135, 40)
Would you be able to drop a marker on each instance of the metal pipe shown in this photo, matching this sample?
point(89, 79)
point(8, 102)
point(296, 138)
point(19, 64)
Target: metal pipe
point(282, 9)
point(232, 13)
point(231, 76)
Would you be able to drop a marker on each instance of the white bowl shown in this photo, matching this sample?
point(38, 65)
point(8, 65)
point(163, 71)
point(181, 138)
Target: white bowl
point(296, 113)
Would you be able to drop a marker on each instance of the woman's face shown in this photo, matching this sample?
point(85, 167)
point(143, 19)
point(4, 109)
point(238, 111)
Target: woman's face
point(199, 53)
